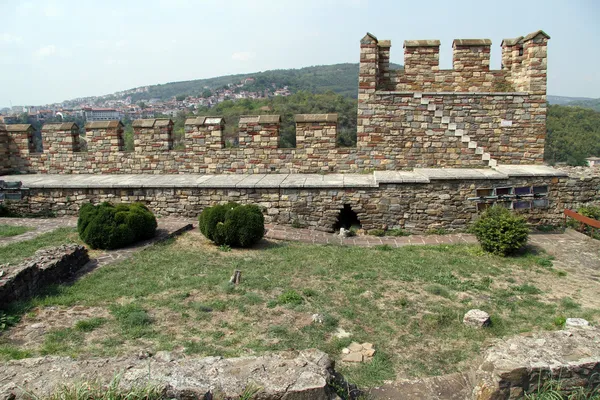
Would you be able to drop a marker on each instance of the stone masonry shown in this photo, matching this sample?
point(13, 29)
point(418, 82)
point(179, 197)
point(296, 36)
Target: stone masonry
point(469, 116)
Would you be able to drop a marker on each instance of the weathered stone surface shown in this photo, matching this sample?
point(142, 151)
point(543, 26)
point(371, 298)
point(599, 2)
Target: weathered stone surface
point(292, 376)
point(576, 323)
point(520, 364)
point(18, 282)
point(477, 318)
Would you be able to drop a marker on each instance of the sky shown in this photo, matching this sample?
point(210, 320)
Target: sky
point(53, 50)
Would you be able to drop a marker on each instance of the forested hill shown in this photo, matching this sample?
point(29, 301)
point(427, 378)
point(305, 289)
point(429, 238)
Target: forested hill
point(338, 78)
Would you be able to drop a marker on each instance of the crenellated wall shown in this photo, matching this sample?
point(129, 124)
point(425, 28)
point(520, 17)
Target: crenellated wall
point(204, 149)
point(469, 116)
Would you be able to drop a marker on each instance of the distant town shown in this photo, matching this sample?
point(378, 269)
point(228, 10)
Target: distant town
point(119, 105)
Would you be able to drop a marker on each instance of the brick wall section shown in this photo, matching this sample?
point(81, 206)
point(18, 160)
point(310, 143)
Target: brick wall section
point(20, 146)
point(105, 144)
point(515, 94)
point(5, 165)
point(152, 135)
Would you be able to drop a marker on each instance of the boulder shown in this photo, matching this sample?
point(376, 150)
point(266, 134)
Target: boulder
point(477, 318)
point(521, 364)
point(576, 323)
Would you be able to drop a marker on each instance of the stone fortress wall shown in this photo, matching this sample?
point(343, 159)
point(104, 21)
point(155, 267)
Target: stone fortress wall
point(469, 116)
point(434, 148)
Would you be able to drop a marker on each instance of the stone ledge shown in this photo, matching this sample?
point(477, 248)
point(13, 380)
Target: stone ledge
point(289, 375)
point(471, 42)
point(421, 43)
point(402, 93)
point(316, 117)
point(276, 181)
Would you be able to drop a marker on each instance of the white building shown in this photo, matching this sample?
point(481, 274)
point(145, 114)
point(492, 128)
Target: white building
point(101, 114)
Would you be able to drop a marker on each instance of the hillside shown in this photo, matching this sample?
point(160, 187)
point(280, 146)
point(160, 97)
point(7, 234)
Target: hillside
point(338, 78)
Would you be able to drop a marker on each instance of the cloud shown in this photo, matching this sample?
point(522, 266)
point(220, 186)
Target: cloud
point(46, 51)
point(112, 61)
point(243, 55)
point(9, 38)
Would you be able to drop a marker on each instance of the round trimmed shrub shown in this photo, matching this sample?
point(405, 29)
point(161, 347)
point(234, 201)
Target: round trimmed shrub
point(232, 224)
point(106, 226)
point(500, 232)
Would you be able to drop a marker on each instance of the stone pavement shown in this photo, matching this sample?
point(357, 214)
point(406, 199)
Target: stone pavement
point(38, 225)
point(279, 232)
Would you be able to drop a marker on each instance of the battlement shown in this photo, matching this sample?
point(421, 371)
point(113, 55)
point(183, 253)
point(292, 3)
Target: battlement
point(523, 66)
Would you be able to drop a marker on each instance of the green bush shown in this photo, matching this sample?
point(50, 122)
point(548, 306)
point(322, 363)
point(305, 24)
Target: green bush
point(106, 226)
point(232, 224)
point(500, 232)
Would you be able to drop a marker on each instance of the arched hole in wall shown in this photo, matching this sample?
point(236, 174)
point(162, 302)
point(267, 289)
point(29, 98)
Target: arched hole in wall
point(347, 218)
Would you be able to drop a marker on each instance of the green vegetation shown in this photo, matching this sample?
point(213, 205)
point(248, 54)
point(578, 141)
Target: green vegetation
point(111, 227)
point(176, 295)
point(96, 391)
point(15, 252)
point(232, 224)
point(590, 212)
point(11, 230)
point(554, 389)
point(500, 232)
point(573, 135)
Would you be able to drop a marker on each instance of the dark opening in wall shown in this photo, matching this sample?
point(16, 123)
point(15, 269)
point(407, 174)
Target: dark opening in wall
point(347, 219)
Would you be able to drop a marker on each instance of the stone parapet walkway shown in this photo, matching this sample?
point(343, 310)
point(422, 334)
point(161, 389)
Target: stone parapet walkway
point(276, 181)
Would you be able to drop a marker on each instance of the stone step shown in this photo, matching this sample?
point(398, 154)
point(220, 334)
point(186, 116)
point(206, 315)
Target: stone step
point(459, 132)
point(492, 163)
point(479, 150)
point(465, 139)
point(485, 156)
point(473, 145)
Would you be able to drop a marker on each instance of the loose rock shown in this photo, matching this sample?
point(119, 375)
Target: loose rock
point(576, 322)
point(477, 318)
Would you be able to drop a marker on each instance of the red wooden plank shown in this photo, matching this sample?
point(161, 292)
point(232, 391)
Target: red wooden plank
point(581, 218)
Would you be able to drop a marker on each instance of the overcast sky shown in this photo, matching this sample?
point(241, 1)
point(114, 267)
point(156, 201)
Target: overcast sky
point(53, 50)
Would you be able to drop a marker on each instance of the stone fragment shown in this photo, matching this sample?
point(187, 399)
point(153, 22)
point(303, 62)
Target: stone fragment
point(345, 350)
point(576, 322)
point(355, 347)
point(368, 353)
point(340, 333)
point(317, 318)
point(477, 318)
point(367, 346)
point(353, 357)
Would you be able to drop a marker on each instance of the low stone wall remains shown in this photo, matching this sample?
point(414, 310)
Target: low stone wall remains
point(47, 266)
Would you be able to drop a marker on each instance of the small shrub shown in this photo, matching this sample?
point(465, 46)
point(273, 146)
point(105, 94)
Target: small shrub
point(88, 325)
point(106, 226)
point(232, 224)
point(500, 232)
point(396, 232)
point(377, 232)
point(290, 297)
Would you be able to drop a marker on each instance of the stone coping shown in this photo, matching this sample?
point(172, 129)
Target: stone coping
point(278, 181)
point(471, 42)
point(402, 93)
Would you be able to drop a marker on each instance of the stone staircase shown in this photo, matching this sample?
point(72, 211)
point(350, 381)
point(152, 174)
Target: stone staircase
point(453, 127)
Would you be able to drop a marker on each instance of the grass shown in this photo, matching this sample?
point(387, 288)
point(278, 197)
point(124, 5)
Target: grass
point(553, 390)
point(409, 302)
point(15, 252)
point(10, 230)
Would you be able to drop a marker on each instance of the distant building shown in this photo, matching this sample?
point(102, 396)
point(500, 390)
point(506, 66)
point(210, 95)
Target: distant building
point(101, 114)
point(593, 161)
